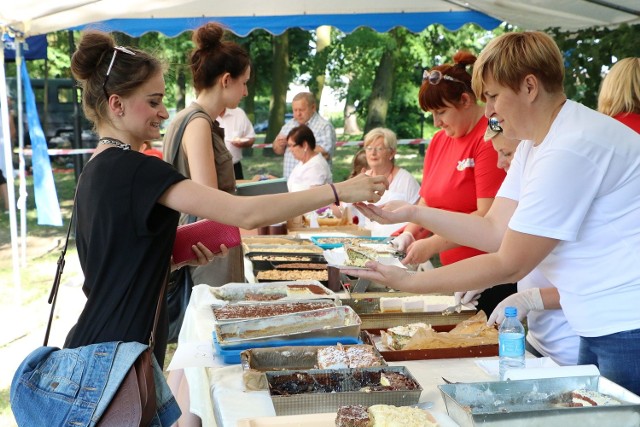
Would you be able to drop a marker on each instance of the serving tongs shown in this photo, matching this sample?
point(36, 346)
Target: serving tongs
point(452, 309)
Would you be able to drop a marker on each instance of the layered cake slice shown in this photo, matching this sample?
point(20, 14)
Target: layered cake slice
point(357, 256)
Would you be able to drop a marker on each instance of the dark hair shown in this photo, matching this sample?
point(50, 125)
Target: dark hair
point(89, 65)
point(435, 96)
point(301, 134)
point(212, 56)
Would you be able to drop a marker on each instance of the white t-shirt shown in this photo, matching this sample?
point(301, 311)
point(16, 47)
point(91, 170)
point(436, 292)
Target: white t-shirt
point(548, 330)
point(403, 187)
point(236, 125)
point(581, 185)
point(306, 175)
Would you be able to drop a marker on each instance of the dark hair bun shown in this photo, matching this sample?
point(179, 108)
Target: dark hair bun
point(464, 58)
point(92, 48)
point(208, 36)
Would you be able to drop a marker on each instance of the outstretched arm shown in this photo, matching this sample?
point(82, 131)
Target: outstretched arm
point(519, 253)
point(251, 212)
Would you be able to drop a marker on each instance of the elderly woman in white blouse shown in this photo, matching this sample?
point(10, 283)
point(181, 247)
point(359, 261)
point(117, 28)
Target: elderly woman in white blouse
point(312, 169)
point(380, 146)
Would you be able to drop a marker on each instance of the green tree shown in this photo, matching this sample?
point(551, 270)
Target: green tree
point(590, 53)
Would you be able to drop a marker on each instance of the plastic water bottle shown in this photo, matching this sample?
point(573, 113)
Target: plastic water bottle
point(511, 342)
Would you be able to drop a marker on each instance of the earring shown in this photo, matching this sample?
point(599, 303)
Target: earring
point(391, 158)
point(121, 113)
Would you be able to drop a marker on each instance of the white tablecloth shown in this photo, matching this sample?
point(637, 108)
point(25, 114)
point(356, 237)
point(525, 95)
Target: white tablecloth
point(220, 388)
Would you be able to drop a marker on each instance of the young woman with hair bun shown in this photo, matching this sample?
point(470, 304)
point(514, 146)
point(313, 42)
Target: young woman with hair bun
point(194, 142)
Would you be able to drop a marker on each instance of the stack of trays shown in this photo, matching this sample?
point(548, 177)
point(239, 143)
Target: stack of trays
point(288, 262)
point(326, 326)
point(324, 390)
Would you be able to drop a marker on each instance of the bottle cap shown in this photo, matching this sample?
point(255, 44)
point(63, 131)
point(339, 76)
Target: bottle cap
point(510, 311)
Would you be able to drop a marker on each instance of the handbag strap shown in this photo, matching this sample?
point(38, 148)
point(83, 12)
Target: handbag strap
point(53, 295)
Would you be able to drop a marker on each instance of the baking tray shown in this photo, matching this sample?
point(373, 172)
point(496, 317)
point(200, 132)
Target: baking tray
point(346, 380)
point(317, 240)
point(368, 308)
point(259, 265)
point(291, 250)
point(273, 291)
point(329, 322)
point(372, 337)
point(252, 311)
point(231, 354)
point(528, 403)
point(287, 358)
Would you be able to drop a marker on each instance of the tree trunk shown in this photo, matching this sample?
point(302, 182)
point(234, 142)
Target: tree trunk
point(381, 92)
point(279, 86)
point(351, 126)
point(323, 40)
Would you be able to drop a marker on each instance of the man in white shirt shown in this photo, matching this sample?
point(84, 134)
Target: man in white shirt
point(305, 113)
point(238, 134)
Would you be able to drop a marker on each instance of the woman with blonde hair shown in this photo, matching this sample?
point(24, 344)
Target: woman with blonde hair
point(620, 93)
point(568, 207)
point(380, 147)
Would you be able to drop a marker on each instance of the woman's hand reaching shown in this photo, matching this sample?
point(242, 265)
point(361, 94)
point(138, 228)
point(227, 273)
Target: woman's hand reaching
point(203, 256)
point(390, 213)
point(362, 188)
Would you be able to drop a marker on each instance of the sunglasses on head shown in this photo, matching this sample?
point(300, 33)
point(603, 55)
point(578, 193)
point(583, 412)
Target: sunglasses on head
point(494, 125)
point(116, 49)
point(435, 76)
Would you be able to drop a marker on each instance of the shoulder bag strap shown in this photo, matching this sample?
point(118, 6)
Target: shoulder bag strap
point(53, 295)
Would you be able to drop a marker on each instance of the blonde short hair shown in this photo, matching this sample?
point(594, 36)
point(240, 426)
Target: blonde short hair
point(512, 56)
point(620, 90)
point(389, 138)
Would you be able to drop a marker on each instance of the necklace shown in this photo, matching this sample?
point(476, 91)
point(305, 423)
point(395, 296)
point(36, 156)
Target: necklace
point(116, 143)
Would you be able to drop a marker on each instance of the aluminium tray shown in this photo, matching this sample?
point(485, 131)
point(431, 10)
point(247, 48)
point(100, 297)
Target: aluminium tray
point(329, 322)
point(369, 337)
point(319, 240)
point(368, 308)
point(529, 403)
point(261, 310)
point(347, 381)
point(287, 358)
point(277, 291)
point(259, 265)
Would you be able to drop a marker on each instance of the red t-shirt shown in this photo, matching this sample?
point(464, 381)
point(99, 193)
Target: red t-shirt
point(630, 119)
point(457, 172)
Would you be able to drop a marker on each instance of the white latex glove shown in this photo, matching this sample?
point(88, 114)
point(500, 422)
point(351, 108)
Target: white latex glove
point(525, 301)
point(403, 241)
point(468, 297)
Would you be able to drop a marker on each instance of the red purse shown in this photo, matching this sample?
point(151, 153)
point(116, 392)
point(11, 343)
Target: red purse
point(212, 234)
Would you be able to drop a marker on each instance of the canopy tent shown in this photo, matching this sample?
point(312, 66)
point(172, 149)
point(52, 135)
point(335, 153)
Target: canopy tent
point(172, 17)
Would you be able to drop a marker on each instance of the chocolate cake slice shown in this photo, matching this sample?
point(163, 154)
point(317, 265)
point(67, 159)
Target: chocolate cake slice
point(353, 416)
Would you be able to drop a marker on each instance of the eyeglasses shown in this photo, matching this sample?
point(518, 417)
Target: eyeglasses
point(435, 76)
point(376, 149)
point(116, 49)
point(494, 125)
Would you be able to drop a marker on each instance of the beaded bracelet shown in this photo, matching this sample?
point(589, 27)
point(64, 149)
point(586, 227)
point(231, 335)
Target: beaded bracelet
point(335, 193)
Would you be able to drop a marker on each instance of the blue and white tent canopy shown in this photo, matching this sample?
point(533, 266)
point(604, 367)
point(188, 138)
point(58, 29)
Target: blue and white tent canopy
point(172, 17)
